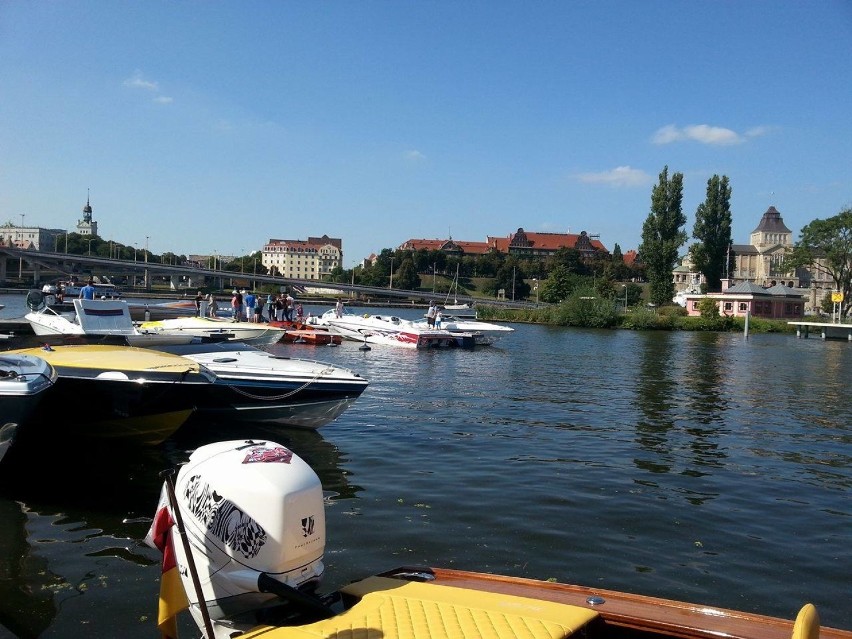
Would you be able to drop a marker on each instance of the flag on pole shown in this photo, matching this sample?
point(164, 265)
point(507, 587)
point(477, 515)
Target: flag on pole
point(172, 595)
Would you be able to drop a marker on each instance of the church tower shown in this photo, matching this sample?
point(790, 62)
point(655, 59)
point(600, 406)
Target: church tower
point(86, 226)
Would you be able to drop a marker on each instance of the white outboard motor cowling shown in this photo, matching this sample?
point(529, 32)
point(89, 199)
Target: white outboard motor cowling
point(252, 510)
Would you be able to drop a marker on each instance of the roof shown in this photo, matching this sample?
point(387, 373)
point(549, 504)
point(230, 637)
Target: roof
point(545, 241)
point(771, 222)
point(747, 288)
point(780, 289)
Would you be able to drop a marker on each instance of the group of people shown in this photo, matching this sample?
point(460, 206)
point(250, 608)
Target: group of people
point(246, 306)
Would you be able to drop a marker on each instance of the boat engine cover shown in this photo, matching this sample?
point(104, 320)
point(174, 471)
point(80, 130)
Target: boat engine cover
point(250, 507)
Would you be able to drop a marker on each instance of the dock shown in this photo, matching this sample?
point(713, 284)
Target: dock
point(827, 330)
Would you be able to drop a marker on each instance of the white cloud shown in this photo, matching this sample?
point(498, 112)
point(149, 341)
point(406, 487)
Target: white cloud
point(703, 133)
point(163, 99)
point(619, 176)
point(136, 81)
point(414, 156)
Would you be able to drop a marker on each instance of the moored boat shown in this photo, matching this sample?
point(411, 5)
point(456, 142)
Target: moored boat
point(121, 393)
point(253, 386)
point(24, 382)
point(99, 318)
point(391, 331)
point(255, 562)
point(214, 328)
point(484, 333)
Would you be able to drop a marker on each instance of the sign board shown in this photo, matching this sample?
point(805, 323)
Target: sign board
point(837, 296)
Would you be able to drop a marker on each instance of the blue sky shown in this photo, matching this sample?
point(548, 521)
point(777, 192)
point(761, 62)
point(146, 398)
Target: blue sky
point(215, 126)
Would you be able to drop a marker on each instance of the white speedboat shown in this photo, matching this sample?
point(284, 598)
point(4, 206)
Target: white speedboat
point(251, 515)
point(258, 387)
point(216, 329)
point(392, 331)
point(484, 333)
point(24, 380)
point(98, 318)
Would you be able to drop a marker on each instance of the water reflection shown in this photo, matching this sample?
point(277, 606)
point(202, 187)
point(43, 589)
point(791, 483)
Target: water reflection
point(27, 607)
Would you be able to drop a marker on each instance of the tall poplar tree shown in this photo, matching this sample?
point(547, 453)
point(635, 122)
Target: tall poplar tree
point(713, 231)
point(662, 236)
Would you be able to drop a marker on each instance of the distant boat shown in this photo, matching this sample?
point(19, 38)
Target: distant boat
point(98, 318)
point(392, 331)
point(214, 328)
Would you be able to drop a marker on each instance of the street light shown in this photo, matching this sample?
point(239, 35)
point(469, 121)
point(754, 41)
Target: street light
point(535, 286)
point(90, 245)
point(146, 249)
point(20, 246)
point(391, 275)
point(625, 297)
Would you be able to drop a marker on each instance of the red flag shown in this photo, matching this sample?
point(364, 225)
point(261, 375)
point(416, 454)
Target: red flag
point(172, 595)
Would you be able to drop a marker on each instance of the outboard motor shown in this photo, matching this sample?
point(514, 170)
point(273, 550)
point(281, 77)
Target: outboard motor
point(253, 514)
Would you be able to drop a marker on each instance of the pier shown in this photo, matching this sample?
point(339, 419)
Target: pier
point(827, 330)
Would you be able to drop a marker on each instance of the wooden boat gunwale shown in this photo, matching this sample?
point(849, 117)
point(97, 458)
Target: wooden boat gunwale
point(626, 614)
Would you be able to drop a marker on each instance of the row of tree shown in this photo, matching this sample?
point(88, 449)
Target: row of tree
point(824, 246)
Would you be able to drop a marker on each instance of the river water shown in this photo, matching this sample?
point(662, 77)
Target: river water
point(703, 467)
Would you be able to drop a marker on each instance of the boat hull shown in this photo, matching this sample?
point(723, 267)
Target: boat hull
point(123, 393)
point(259, 387)
point(24, 383)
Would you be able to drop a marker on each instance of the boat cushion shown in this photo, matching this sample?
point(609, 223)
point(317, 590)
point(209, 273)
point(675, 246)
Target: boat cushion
point(394, 609)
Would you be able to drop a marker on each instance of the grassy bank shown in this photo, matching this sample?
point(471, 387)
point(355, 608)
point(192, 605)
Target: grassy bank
point(594, 313)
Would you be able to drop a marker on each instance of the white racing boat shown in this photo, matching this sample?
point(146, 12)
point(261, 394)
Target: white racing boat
point(95, 318)
point(392, 331)
point(247, 559)
point(216, 329)
point(484, 333)
point(24, 381)
point(253, 386)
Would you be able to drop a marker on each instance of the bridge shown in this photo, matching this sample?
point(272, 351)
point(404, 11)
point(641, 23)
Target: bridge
point(35, 268)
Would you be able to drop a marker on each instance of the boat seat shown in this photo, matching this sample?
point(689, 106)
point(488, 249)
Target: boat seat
point(394, 609)
point(807, 623)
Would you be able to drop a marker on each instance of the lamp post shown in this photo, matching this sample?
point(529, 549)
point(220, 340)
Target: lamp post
point(90, 245)
point(625, 297)
point(20, 246)
point(146, 249)
point(513, 283)
point(391, 275)
point(535, 286)
point(352, 291)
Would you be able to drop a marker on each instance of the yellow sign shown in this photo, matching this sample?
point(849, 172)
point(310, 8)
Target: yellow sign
point(837, 296)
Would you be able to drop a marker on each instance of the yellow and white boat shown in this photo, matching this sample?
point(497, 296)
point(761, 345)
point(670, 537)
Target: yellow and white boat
point(117, 392)
point(216, 329)
point(249, 557)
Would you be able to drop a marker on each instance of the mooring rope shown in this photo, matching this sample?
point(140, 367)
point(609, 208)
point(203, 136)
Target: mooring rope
point(272, 398)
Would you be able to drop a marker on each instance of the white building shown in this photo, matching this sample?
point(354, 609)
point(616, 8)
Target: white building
point(311, 259)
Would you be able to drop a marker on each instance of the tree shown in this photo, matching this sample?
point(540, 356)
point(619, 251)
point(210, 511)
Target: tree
point(825, 246)
point(406, 277)
point(713, 231)
point(662, 236)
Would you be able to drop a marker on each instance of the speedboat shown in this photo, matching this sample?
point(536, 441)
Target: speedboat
point(121, 393)
point(24, 381)
point(258, 387)
point(216, 329)
point(99, 318)
point(392, 331)
point(246, 558)
point(484, 333)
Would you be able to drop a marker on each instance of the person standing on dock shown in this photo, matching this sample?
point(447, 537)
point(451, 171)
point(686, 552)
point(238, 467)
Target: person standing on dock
point(250, 300)
point(199, 297)
point(88, 291)
point(430, 314)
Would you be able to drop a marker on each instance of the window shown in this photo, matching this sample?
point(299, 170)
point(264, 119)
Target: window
point(728, 307)
point(743, 307)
